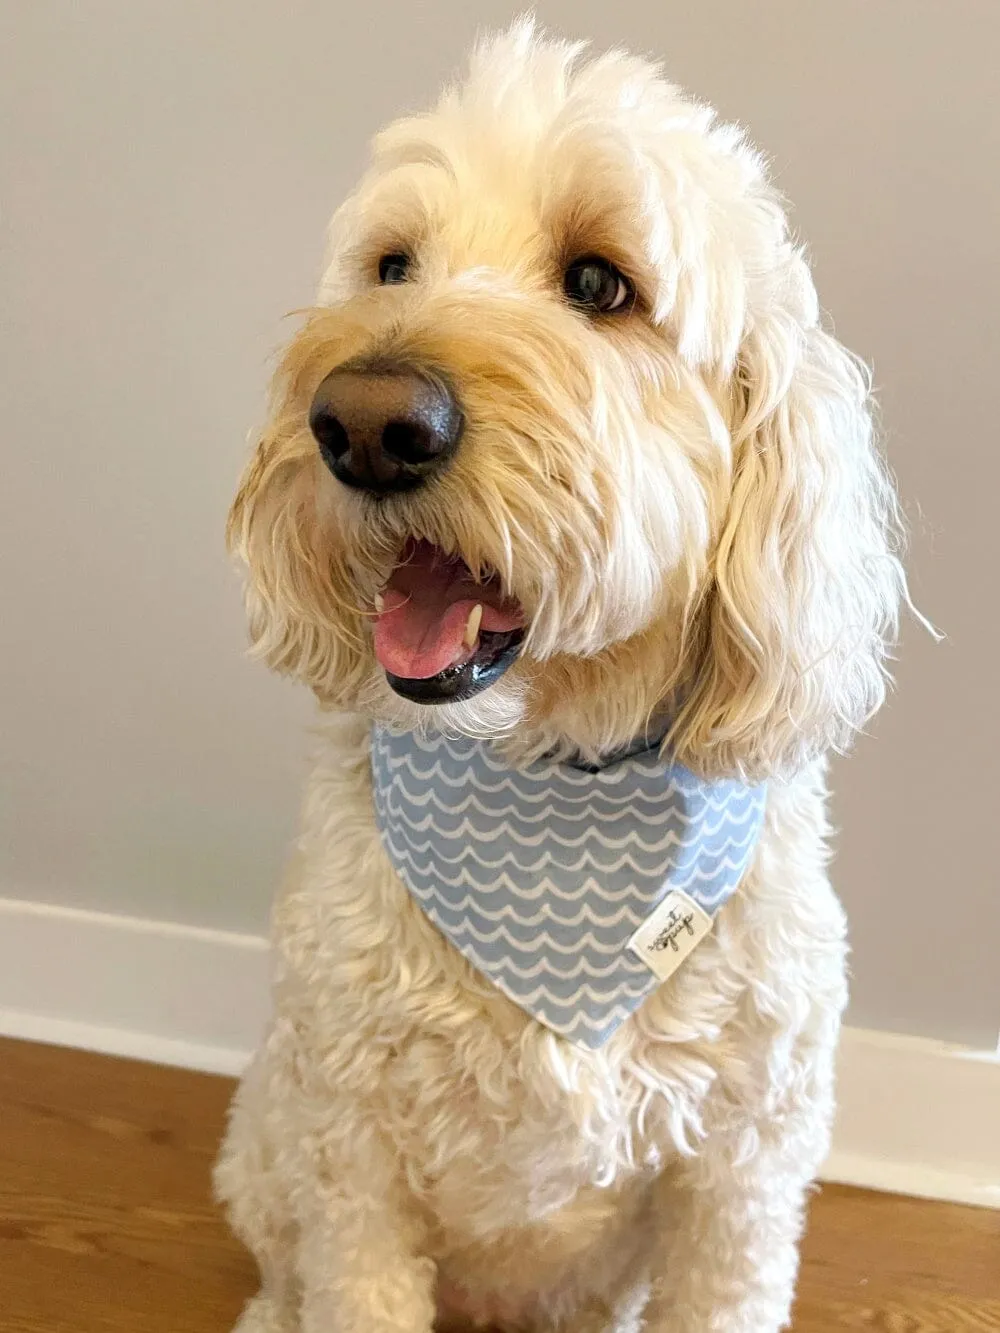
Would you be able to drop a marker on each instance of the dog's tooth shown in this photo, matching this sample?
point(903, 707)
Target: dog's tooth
point(472, 626)
point(379, 603)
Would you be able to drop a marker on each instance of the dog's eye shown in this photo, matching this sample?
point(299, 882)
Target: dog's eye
point(393, 268)
point(596, 284)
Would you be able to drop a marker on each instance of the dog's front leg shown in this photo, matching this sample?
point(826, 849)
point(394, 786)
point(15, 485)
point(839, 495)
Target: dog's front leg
point(359, 1261)
point(737, 1213)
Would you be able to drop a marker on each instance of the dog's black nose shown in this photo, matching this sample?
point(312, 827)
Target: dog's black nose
point(384, 427)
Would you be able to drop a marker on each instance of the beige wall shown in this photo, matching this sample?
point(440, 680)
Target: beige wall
point(167, 171)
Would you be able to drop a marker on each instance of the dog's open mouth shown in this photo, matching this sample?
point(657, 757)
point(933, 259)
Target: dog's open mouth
point(441, 634)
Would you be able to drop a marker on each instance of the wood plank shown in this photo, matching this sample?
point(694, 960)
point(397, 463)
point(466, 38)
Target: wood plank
point(879, 1261)
point(107, 1224)
point(106, 1219)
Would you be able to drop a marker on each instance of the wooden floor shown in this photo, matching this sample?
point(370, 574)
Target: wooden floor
point(106, 1224)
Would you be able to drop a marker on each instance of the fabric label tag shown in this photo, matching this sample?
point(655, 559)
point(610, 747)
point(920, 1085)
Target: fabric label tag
point(673, 931)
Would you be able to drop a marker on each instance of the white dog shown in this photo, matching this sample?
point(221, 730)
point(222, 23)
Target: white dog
point(561, 466)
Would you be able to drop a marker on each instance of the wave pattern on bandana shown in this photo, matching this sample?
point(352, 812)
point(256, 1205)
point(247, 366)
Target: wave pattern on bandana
point(540, 875)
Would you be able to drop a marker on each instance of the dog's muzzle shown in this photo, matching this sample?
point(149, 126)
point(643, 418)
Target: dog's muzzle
point(384, 427)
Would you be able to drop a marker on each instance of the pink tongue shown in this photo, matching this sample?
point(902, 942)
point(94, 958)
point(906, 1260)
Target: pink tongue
point(415, 641)
point(428, 601)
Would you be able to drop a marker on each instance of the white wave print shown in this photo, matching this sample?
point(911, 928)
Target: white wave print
point(504, 831)
point(438, 773)
point(583, 967)
point(633, 984)
point(482, 757)
point(427, 887)
point(600, 1027)
point(586, 940)
point(575, 813)
point(523, 974)
point(587, 860)
point(494, 856)
point(698, 875)
point(666, 782)
point(614, 995)
point(418, 854)
point(475, 756)
point(587, 912)
point(664, 804)
point(428, 882)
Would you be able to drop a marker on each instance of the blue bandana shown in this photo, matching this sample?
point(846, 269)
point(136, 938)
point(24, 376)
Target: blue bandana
point(575, 892)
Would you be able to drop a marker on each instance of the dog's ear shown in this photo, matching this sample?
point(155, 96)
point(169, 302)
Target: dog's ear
point(802, 605)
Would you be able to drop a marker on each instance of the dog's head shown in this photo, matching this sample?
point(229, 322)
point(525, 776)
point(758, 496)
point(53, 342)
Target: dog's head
point(562, 450)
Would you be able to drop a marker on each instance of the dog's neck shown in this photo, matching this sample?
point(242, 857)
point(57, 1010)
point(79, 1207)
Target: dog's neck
point(651, 739)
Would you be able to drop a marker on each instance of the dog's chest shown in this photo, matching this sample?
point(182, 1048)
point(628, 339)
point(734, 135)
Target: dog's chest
point(496, 1147)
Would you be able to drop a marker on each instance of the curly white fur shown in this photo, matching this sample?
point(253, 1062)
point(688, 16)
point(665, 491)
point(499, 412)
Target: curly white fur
point(688, 504)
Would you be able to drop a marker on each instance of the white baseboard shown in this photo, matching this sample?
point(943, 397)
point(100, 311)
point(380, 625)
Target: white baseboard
point(151, 990)
point(916, 1117)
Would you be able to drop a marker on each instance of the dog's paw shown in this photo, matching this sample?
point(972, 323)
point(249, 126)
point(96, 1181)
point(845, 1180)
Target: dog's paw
point(262, 1315)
